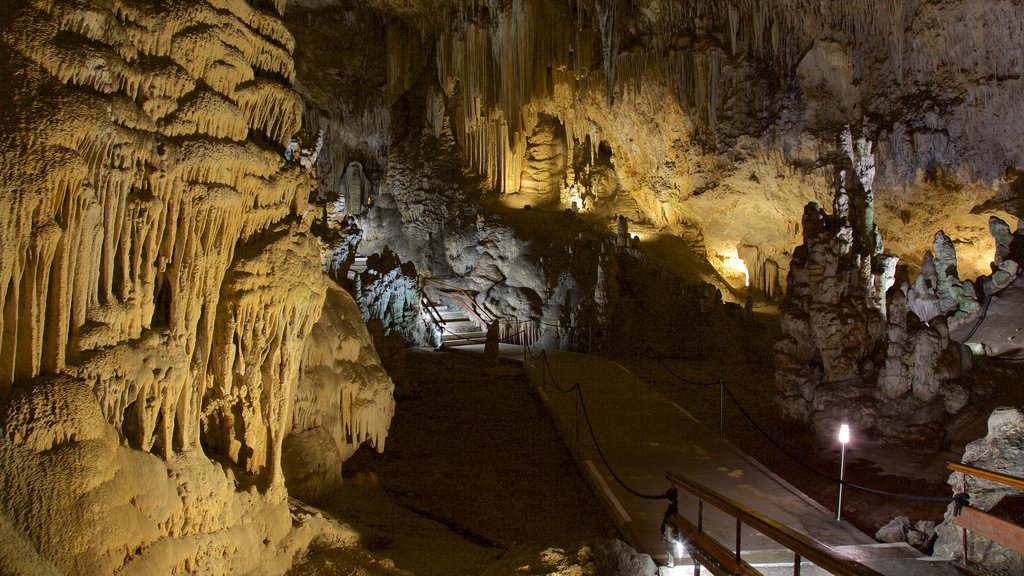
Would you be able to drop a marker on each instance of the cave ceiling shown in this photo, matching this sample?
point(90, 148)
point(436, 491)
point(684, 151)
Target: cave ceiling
point(717, 121)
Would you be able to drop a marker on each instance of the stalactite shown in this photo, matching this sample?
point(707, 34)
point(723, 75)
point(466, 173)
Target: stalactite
point(268, 26)
point(207, 112)
point(489, 65)
point(203, 53)
point(271, 108)
point(132, 233)
point(343, 388)
point(258, 349)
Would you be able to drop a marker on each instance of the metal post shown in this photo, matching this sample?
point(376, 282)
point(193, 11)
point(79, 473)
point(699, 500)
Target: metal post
point(721, 410)
point(738, 525)
point(796, 565)
point(842, 468)
point(963, 530)
point(700, 515)
point(700, 528)
point(578, 420)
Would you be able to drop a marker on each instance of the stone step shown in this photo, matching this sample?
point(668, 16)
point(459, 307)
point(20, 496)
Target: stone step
point(463, 338)
point(462, 327)
point(453, 315)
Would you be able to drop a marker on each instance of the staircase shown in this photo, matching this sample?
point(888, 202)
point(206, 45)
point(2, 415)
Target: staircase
point(358, 265)
point(460, 319)
point(457, 326)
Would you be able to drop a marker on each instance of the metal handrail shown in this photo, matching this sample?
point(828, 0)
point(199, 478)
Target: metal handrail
point(803, 546)
point(466, 301)
point(432, 311)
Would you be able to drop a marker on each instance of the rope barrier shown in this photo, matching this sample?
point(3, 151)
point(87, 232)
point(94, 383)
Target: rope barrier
point(795, 458)
point(593, 436)
point(685, 380)
point(823, 474)
point(597, 446)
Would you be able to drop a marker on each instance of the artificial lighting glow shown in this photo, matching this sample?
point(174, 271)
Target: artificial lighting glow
point(844, 433)
point(736, 265)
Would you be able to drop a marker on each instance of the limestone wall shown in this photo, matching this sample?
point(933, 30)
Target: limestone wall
point(158, 282)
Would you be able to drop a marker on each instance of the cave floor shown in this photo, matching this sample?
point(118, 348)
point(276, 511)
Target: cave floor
point(477, 479)
point(474, 479)
point(644, 435)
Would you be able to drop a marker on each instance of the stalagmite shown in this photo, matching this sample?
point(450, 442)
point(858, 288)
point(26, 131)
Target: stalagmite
point(269, 302)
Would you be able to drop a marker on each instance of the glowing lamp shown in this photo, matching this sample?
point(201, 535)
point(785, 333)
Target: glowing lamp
point(844, 438)
point(844, 433)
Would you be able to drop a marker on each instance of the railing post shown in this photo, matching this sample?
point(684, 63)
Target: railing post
point(738, 525)
point(721, 410)
point(796, 564)
point(700, 515)
point(963, 530)
point(578, 420)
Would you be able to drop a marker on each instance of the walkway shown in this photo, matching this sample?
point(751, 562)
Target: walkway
point(644, 436)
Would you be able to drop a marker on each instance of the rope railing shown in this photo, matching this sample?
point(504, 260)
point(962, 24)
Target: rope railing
point(778, 446)
point(582, 408)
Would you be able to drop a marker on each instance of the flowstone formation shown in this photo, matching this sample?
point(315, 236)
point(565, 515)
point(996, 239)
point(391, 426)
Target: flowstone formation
point(158, 286)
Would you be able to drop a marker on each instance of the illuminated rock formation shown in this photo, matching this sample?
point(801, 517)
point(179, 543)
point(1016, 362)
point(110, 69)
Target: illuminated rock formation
point(855, 348)
point(343, 399)
point(714, 121)
point(157, 285)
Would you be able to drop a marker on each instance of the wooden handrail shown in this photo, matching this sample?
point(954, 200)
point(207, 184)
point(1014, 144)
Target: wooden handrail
point(1006, 479)
point(819, 554)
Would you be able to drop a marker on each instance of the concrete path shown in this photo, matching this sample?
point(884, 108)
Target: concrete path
point(644, 436)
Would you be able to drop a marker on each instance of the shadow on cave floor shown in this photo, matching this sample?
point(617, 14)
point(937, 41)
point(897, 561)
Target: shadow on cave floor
point(474, 470)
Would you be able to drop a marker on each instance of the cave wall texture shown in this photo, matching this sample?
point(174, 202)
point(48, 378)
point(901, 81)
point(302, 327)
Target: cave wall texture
point(162, 300)
point(162, 296)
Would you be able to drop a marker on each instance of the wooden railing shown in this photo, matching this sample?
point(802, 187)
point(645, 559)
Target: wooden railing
point(722, 561)
point(982, 523)
point(998, 477)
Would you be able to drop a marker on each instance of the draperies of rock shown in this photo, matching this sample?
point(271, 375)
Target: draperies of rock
point(157, 282)
point(270, 299)
point(344, 399)
point(738, 100)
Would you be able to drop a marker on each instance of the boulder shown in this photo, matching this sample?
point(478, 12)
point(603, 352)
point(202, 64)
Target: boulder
point(895, 531)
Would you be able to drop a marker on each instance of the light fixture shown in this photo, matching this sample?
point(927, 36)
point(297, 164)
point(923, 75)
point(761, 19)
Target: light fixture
point(844, 439)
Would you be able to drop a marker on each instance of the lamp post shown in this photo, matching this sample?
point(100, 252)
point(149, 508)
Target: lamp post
point(844, 438)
